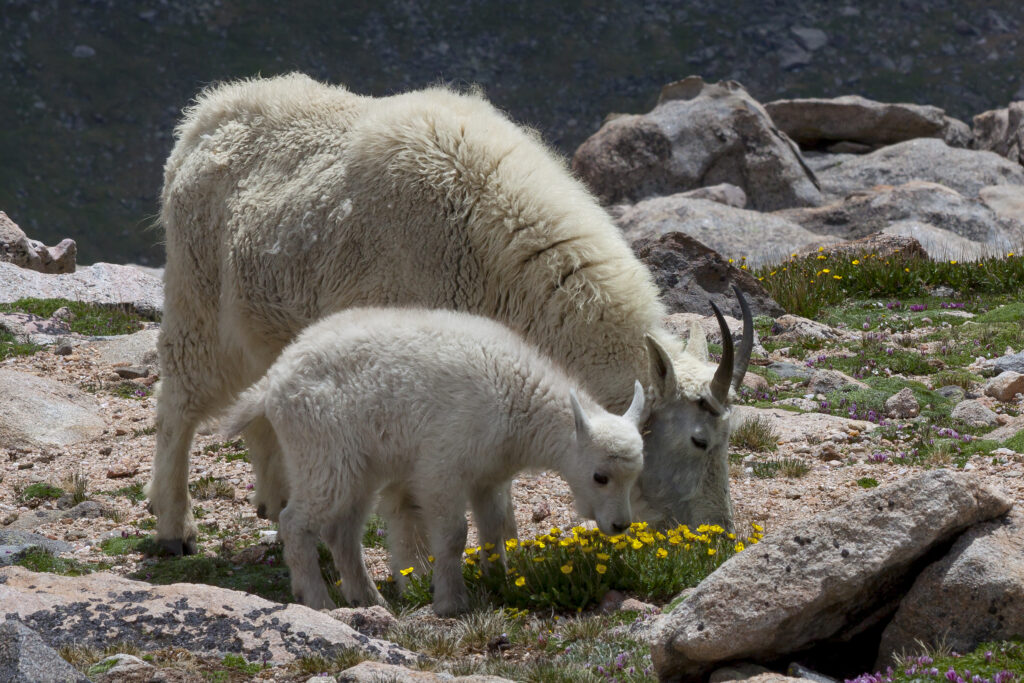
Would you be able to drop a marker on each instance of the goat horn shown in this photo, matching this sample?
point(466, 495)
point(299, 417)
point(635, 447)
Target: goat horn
point(746, 342)
point(635, 412)
point(723, 375)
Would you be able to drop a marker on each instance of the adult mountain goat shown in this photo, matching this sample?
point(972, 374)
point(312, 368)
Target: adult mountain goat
point(286, 200)
point(433, 410)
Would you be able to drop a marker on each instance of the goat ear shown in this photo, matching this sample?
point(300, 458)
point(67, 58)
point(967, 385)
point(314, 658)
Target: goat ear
point(582, 421)
point(697, 344)
point(662, 371)
point(636, 413)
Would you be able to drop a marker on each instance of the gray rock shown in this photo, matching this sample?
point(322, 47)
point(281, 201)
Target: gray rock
point(1001, 131)
point(790, 370)
point(932, 160)
point(15, 542)
point(902, 404)
point(723, 193)
point(827, 578)
point(37, 412)
point(25, 658)
point(815, 122)
point(974, 413)
point(877, 209)
point(698, 134)
point(376, 672)
point(100, 283)
point(737, 672)
point(1005, 386)
point(371, 621)
point(1007, 431)
point(1005, 201)
point(119, 667)
point(135, 349)
point(18, 249)
point(88, 509)
point(1013, 363)
point(809, 38)
point(827, 381)
point(33, 329)
point(690, 275)
point(805, 404)
point(793, 328)
point(100, 608)
point(952, 391)
point(83, 52)
point(973, 594)
point(734, 233)
point(882, 245)
point(943, 245)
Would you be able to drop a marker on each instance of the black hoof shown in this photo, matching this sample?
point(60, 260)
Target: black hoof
point(150, 508)
point(177, 547)
point(261, 511)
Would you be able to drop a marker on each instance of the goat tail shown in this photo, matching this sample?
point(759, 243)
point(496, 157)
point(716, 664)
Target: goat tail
point(249, 406)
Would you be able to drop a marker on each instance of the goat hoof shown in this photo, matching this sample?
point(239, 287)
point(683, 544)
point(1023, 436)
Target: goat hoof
point(261, 511)
point(178, 548)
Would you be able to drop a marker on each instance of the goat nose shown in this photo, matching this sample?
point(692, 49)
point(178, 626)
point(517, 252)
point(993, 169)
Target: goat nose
point(699, 442)
point(620, 527)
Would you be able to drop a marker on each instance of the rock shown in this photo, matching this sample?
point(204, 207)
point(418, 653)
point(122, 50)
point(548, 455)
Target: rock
point(371, 621)
point(101, 608)
point(1001, 131)
point(689, 275)
point(810, 39)
point(18, 249)
point(15, 542)
point(875, 210)
point(974, 413)
point(952, 391)
point(735, 233)
point(132, 371)
point(1012, 363)
point(87, 509)
point(902, 404)
point(943, 245)
point(541, 511)
point(790, 370)
point(37, 412)
point(794, 328)
point(756, 382)
point(973, 594)
point(827, 381)
point(32, 329)
point(1004, 386)
point(1005, 201)
point(805, 404)
point(101, 283)
point(737, 672)
point(1007, 431)
point(723, 193)
point(137, 349)
point(816, 122)
point(882, 245)
point(698, 134)
point(25, 658)
point(931, 160)
point(118, 667)
point(83, 52)
point(826, 579)
point(794, 427)
point(375, 672)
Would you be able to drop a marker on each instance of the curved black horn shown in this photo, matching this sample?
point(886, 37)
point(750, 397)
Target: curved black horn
point(723, 375)
point(746, 342)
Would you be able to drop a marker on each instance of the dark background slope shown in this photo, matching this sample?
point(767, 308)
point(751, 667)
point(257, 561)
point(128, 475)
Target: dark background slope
point(91, 89)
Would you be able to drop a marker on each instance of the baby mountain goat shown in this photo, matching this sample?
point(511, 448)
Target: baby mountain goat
point(430, 409)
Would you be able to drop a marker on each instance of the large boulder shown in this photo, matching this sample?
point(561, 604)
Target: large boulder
point(878, 208)
point(735, 233)
point(818, 122)
point(100, 283)
point(963, 170)
point(37, 412)
point(25, 658)
point(17, 248)
point(973, 594)
point(690, 275)
point(698, 134)
point(943, 245)
point(829, 578)
point(1001, 131)
point(101, 608)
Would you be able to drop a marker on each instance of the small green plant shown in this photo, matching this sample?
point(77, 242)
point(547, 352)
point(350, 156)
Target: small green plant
point(78, 484)
point(145, 431)
point(40, 560)
point(87, 319)
point(129, 389)
point(209, 487)
point(41, 491)
point(10, 346)
point(793, 468)
point(955, 378)
point(132, 492)
point(229, 450)
point(991, 662)
point(127, 544)
point(867, 482)
point(756, 434)
point(376, 533)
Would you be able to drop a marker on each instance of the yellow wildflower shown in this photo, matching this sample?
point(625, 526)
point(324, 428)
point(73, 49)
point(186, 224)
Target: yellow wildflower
point(511, 544)
point(825, 270)
point(407, 571)
point(674, 540)
point(637, 544)
point(731, 537)
point(470, 561)
point(430, 558)
point(539, 559)
point(856, 262)
point(566, 568)
point(601, 569)
point(604, 556)
point(952, 262)
point(661, 552)
point(620, 546)
point(821, 248)
point(739, 547)
point(493, 557)
point(757, 527)
point(711, 551)
point(488, 546)
point(555, 531)
point(837, 277)
point(521, 581)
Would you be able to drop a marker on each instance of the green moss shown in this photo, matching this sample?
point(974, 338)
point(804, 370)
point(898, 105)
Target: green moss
point(41, 491)
point(39, 560)
point(867, 482)
point(1015, 442)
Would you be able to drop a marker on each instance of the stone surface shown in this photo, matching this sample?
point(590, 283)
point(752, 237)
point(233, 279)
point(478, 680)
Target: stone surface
point(816, 122)
point(698, 134)
point(1008, 430)
point(902, 404)
point(881, 244)
point(734, 233)
point(38, 412)
point(371, 621)
point(25, 658)
point(121, 667)
point(793, 328)
point(790, 370)
point(723, 193)
point(134, 349)
point(1013, 363)
point(830, 577)
point(965, 171)
point(87, 509)
point(793, 427)
point(827, 381)
point(1001, 131)
point(689, 275)
point(15, 542)
point(1005, 201)
point(101, 608)
point(973, 594)
point(737, 672)
point(101, 283)
point(876, 209)
point(33, 329)
point(16, 248)
point(943, 245)
point(376, 672)
point(974, 413)
point(1005, 386)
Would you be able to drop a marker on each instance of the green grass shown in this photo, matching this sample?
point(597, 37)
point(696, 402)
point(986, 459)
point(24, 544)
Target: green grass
point(132, 492)
point(791, 468)
point(209, 487)
point(1015, 442)
point(129, 389)
point(756, 434)
point(10, 346)
point(41, 491)
point(1009, 313)
point(39, 560)
point(89, 319)
point(867, 482)
point(126, 545)
point(229, 450)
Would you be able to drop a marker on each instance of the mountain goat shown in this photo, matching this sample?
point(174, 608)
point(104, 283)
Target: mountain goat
point(286, 200)
point(436, 408)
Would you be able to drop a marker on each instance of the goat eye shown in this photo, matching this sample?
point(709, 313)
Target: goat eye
point(601, 479)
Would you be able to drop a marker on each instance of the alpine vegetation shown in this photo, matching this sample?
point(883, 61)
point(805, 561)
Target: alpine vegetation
point(431, 410)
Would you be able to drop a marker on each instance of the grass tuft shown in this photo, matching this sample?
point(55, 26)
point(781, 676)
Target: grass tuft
point(756, 434)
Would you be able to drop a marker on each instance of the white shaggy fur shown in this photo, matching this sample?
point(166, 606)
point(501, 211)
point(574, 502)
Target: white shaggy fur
point(436, 409)
point(286, 200)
